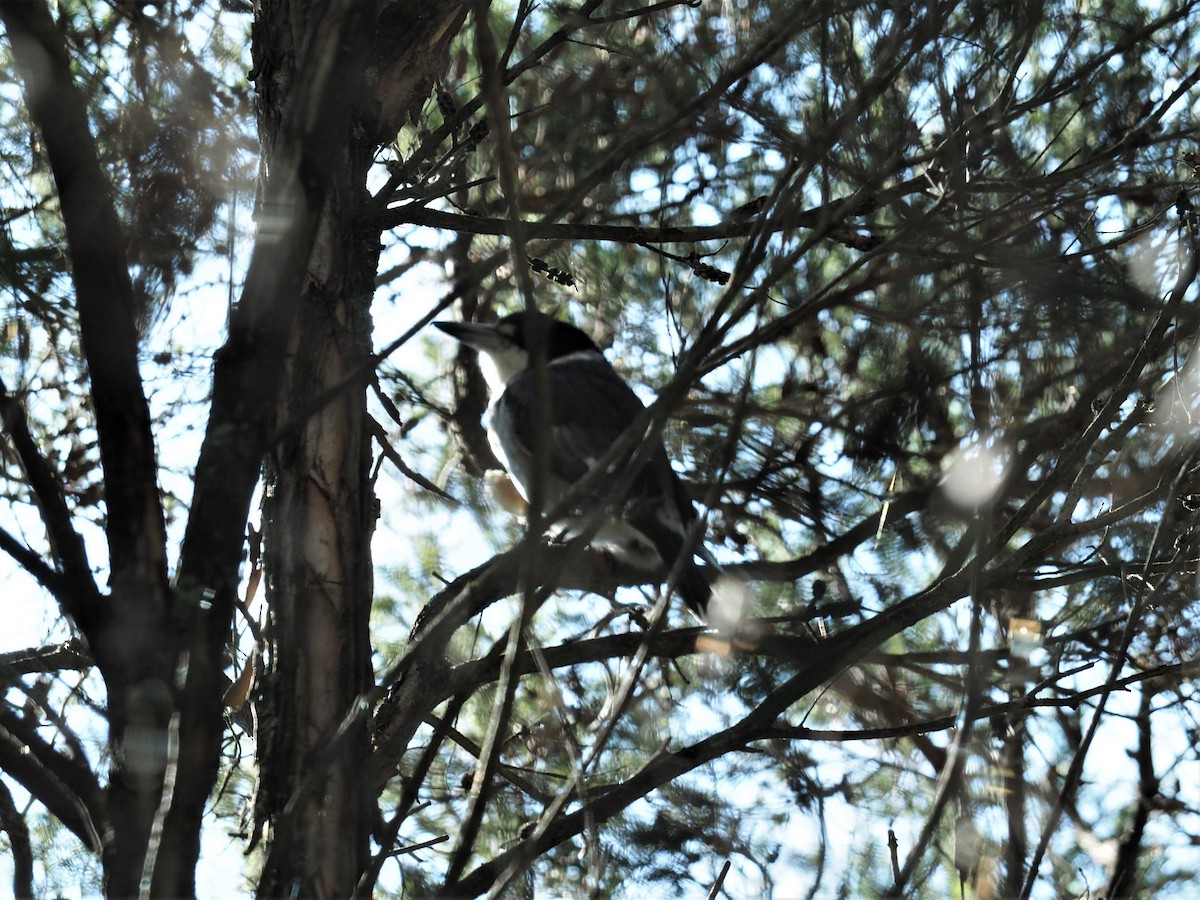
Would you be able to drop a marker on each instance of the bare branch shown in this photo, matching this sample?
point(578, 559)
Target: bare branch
point(15, 826)
point(64, 785)
point(38, 660)
point(72, 584)
point(819, 217)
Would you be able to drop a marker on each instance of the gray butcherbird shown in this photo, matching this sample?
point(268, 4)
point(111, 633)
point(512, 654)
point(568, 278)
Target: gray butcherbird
point(589, 406)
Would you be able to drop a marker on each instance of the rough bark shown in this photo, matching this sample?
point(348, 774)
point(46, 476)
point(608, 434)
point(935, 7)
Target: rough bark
point(319, 517)
point(320, 509)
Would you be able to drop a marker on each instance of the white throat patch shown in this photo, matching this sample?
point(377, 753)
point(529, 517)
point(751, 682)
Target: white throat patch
point(501, 366)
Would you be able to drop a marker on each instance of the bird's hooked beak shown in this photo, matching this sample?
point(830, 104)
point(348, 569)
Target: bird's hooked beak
point(501, 358)
point(476, 335)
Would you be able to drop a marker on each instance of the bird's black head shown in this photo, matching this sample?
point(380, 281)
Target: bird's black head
point(528, 329)
point(508, 344)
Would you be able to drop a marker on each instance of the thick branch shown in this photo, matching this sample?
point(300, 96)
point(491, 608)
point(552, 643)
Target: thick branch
point(71, 655)
point(757, 725)
point(65, 786)
point(424, 677)
point(414, 214)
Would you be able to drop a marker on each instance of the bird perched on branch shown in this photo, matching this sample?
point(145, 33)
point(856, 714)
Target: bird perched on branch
point(588, 406)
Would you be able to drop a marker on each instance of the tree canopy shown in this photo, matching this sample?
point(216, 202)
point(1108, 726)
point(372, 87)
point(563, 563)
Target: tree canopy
point(909, 291)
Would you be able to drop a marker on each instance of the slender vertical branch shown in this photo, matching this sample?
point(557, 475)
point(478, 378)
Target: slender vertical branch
point(1130, 849)
point(17, 829)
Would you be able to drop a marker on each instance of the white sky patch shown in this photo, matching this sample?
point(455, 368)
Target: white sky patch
point(1175, 408)
point(1155, 259)
point(974, 472)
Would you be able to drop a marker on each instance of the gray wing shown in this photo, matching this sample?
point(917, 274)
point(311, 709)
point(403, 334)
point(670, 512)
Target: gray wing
point(590, 406)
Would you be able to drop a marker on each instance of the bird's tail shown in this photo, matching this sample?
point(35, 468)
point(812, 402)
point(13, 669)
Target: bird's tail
point(691, 585)
point(668, 543)
point(694, 588)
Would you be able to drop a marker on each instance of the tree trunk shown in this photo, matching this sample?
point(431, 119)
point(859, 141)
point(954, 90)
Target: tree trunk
point(320, 509)
point(303, 89)
point(320, 513)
